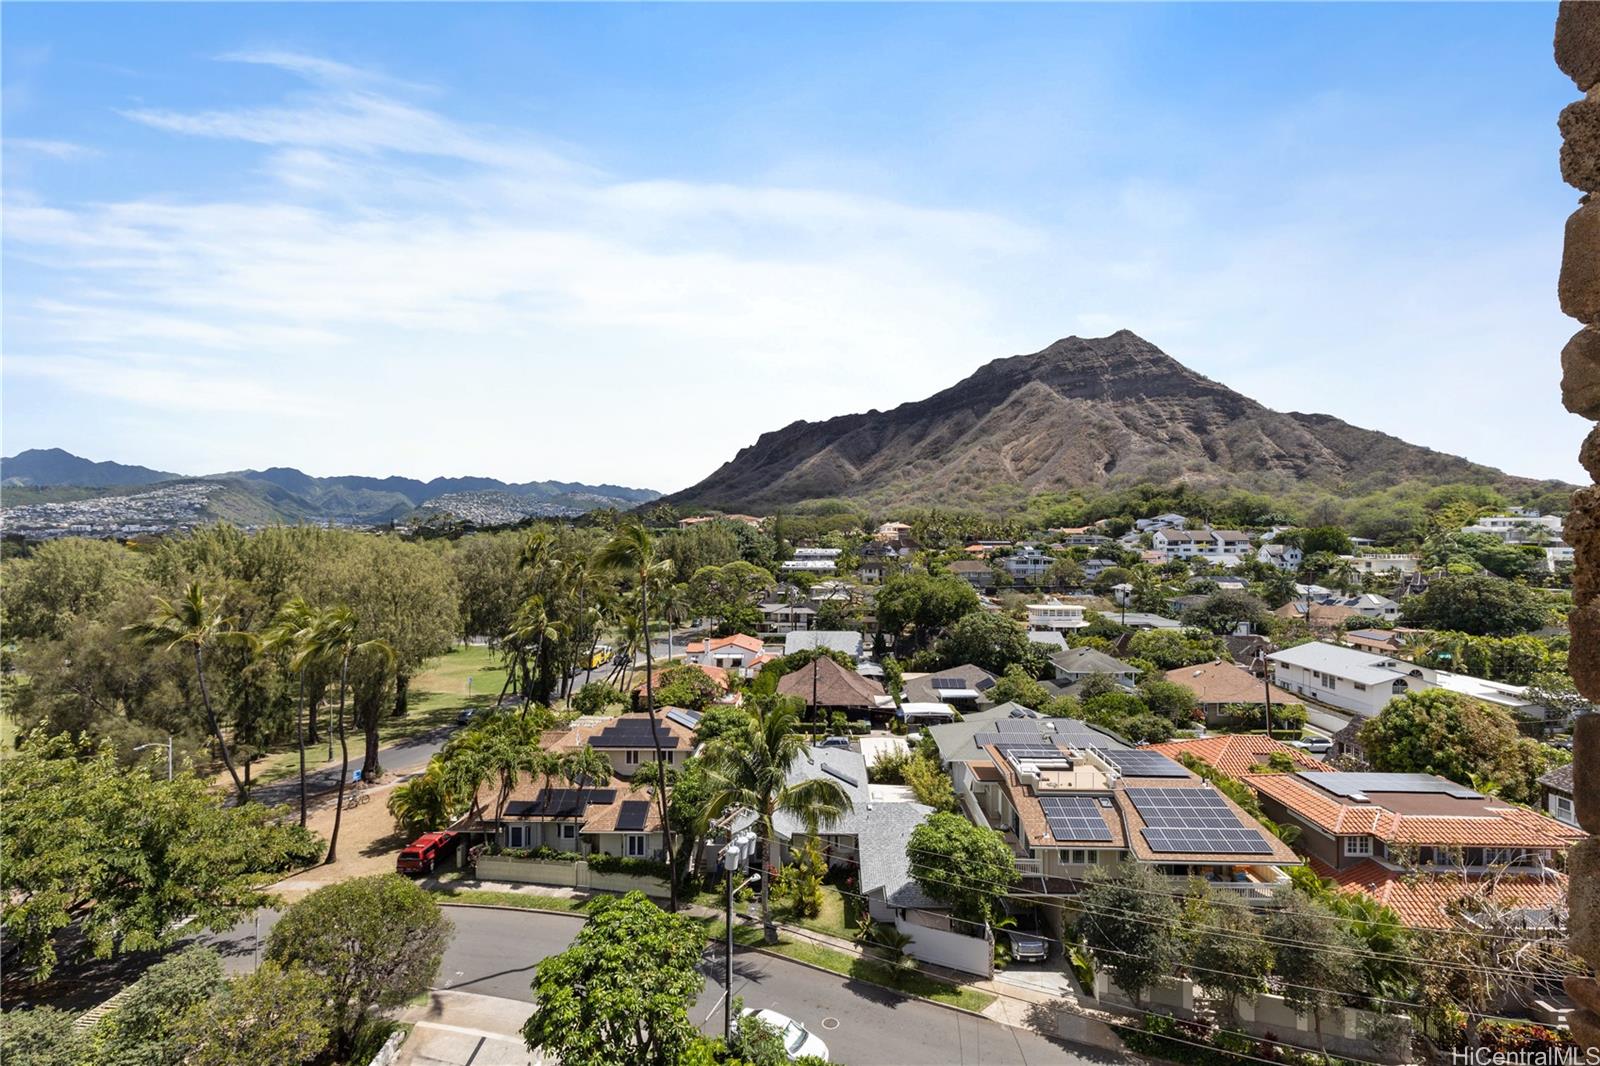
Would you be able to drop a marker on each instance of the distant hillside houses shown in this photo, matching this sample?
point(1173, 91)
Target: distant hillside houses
point(1220, 547)
point(1524, 525)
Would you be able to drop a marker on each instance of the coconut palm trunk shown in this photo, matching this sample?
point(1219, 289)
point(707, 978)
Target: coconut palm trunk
point(655, 741)
point(344, 767)
point(300, 742)
point(242, 789)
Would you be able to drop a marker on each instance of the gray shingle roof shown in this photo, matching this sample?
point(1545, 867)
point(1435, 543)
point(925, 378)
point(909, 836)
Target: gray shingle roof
point(882, 839)
point(1089, 661)
point(833, 639)
point(814, 765)
point(1558, 780)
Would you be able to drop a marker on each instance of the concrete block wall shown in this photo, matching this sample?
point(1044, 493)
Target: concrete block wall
point(1577, 53)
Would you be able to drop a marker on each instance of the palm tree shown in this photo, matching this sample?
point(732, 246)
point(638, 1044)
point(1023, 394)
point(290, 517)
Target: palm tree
point(750, 767)
point(331, 637)
point(585, 769)
point(426, 802)
point(465, 768)
point(632, 552)
point(510, 748)
point(288, 633)
point(672, 602)
point(1345, 577)
point(195, 621)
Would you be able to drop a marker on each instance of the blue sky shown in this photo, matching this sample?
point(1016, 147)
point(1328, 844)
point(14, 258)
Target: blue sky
point(618, 242)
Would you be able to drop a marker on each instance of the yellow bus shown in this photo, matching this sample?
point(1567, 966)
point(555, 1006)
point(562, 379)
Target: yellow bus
point(602, 655)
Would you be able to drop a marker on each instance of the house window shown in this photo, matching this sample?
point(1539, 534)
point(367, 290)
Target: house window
point(514, 837)
point(630, 758)
point(1079, 856)
point(635, 847)
point(569, 831)
point(1563, 808)
point(1358, 846)
point(1360, 687)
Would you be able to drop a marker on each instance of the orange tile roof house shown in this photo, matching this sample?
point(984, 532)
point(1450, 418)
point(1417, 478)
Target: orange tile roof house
point(1237, 754)
point(1426, 902)
point(542, 812)
point(1381, 828)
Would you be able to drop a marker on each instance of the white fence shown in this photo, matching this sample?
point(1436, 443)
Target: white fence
point(576, 875)
point(936, 939)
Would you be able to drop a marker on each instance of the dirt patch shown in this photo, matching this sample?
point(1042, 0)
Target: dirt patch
point(368, 841)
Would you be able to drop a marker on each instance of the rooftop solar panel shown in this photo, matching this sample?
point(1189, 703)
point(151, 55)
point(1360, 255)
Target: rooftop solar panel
point(1135, 763)
point(632, 733)
point(687, 719)
point(1194, 821)
point(1074, 818)
point(631, 817)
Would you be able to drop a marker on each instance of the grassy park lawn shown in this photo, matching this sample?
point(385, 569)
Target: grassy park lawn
point(469, 676)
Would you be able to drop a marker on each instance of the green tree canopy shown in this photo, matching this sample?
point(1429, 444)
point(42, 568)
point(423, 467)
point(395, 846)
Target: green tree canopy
point(1129, 923)
point(126, 856)
point(923, 603)
point(276, 1015)
point(1172, 648)
point(968, 866)
point(1450, 734)
point(993, 642)
point(620, 995)
point(1479, 604)
point(375, 941)
point(1223, 612)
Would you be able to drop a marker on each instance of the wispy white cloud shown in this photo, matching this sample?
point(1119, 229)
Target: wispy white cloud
point(439, 297)
point(50, 148)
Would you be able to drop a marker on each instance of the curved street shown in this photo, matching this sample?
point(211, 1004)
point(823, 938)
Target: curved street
point(484, 987)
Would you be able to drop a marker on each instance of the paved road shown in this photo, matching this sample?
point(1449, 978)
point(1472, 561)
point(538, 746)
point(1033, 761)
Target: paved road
point(402, 757)
point(494, 952)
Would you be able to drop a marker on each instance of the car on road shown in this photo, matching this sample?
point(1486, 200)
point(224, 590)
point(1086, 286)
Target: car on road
point(798, 1041)
point(467, 715)
point(1027, 945)
point(834, 742)
point(1315, 745)
point(423, 854)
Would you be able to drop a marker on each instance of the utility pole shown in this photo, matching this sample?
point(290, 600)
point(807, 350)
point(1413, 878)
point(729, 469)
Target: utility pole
point(741, 845)
point(1266, 688)
point(814, 684)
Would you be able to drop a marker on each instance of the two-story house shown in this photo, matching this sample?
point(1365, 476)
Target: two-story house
point(625, 740)
point(1027, 564)
point(1053, 615)
point(1069, 798)
point(1363, 683)
point(1075, 664)
point(1417, 842)
point(1283, 556)
point(813, 560)
point(1181, 543)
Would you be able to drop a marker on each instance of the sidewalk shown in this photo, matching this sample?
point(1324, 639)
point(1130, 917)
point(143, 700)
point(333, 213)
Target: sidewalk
point(455, 1028)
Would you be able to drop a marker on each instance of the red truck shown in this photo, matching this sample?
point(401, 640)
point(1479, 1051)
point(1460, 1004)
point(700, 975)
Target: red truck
point(422, 854)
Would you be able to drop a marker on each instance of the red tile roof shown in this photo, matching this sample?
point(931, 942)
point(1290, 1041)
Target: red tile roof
point(740, 640)
point(1494, 824)
point(1237, 754)
point(1422, 900)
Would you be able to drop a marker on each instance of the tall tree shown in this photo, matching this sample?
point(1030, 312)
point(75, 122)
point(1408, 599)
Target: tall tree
point(967, 866)
point(334, 637)
point(288, 634)
point(632, 551)
point(749, 766)
point(375, 941)
point(194, 622)
point(620, 995)
point(1130, 923)
point(127, 859)
point(1317, 958)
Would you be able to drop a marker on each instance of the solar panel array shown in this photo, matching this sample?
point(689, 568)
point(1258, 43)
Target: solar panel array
point(687, 719)
point(946, 684)
point(1074, 818)
point(562, 802)
point(632, 733)
point(1135, 763)
point(631, 817)
point(1194, 820)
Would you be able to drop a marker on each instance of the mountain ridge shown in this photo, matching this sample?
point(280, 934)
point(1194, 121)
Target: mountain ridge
point(53, 475)
point(1082, 412)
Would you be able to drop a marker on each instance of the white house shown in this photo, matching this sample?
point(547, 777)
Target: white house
point(1383, 563)
point(1522, 526)
point(738, 652)
point(1368, 605)
point(1161, 521)
point(1054, 615)
point(1352, 680)
point(1283, 556)
point(1229, 542)
point(1180, 543)
point(1027, 563)
point(813, 560)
